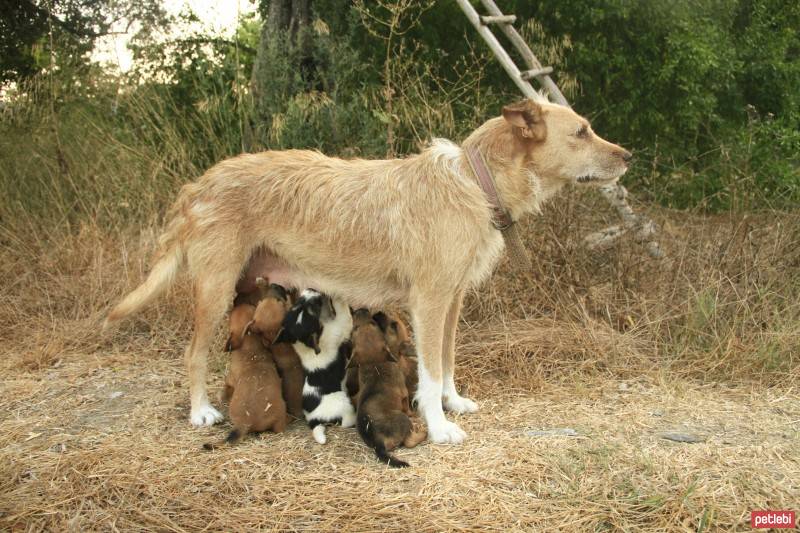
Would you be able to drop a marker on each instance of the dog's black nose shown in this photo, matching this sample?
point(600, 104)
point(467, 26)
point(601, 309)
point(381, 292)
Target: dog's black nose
point(626, 155)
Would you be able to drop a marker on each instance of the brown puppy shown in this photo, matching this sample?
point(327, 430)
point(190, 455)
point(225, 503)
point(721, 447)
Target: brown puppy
point(267, 320)
point(383, 404)
point(252, 386)
point(399, 342)
point(368, 343)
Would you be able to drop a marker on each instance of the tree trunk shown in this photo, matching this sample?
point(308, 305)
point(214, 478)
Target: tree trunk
point(286, 41)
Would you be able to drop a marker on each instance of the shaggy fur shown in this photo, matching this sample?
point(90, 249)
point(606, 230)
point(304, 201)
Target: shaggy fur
point(252, 386)
point(371, 232)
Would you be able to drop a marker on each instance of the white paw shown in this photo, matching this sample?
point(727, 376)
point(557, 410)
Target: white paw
point(205, 415)
point(459, 404)
point(446, 432)
point(319, 434)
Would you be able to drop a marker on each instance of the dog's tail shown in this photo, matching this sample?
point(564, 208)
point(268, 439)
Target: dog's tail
point(368, 431)
point(234, 437)
point(169, 261)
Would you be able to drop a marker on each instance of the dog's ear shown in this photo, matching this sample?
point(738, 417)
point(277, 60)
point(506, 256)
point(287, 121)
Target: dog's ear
point(328, 305)
point(315, 343)
point(390, 355)
point(283, 336)
point(277, 291)
point(229, 344)
point(382, 320)
point(408, 349)
point(247, 328)
point(528, 116)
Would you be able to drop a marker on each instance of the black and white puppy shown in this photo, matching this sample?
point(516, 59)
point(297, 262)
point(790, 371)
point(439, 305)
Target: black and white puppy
point(319, 329)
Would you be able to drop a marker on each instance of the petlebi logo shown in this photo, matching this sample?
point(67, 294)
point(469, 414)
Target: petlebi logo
point(772, 519)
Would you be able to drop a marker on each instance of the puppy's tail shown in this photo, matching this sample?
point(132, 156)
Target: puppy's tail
point(161, 277)
point(233, 438)
point(368, 431)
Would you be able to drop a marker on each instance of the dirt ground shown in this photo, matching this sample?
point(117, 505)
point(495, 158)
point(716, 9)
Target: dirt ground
point(104, 443)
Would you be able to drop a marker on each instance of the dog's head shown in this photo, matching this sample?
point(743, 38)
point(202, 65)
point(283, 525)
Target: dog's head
point(559, 144)
point(369, 343)
point(241, 321)
point(398, 340)
point(306, 319)
point(270, 312)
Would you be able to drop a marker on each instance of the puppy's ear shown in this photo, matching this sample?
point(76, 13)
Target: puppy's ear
point(315, 343)
point(277, 291)
point(408, 349)
point(382, 320)
point(247, 328)
point(331, 308)
point(390, 355)
point(283, 336)
point(229, 344)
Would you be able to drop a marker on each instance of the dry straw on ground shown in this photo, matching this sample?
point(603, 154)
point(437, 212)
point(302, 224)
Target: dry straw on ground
point(620, 349)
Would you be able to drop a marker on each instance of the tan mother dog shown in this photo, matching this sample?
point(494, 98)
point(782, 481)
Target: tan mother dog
point(415, 232)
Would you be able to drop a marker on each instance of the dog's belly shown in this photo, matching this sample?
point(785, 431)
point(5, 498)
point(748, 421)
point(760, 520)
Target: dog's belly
point(356, 292)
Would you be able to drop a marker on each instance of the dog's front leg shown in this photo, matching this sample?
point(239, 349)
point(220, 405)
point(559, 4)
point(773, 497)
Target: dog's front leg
point(428, 315)
point(452, 400)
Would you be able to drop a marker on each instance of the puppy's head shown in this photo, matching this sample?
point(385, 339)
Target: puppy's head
point(270, 312)
point(241, 321)
point(306, 319)
point(398, 339)
point(560, 144)
point(369, 344)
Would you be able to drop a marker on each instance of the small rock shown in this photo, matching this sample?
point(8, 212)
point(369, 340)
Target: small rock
point(59, 448)
point(657, 412)
point(682, 437)
point(555, 432)
point(116, 394)
point(623, 387)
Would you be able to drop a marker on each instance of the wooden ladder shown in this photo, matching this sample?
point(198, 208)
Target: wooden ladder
point(521, 78)
point(641, 227)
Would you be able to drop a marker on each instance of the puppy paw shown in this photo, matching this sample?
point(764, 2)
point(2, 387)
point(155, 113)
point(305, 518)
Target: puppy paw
point(446, 432)
point(319, 434)
point(205, 415)
point(459, 404)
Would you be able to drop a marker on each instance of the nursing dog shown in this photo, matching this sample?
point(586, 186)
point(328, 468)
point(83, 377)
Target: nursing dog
point(374, 233)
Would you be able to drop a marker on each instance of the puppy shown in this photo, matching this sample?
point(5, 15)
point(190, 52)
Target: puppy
point(319, 330)
point(383, 405)
point(252, 386)
point(267, 322)
point(370, 340)
point(399, 342)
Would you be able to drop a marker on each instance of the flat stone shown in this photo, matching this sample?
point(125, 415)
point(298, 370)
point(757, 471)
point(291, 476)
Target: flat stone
point(682, 437)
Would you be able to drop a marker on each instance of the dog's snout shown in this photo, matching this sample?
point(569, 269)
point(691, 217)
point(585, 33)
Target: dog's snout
point(625, 155)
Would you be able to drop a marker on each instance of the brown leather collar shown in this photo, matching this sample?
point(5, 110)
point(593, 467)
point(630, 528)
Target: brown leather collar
point(501, 218)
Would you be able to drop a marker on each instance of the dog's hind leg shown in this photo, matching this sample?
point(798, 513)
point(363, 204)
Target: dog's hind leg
point(452, 400)
point(213, 295)
point(429, 313)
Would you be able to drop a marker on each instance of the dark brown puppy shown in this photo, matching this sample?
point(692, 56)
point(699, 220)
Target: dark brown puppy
point(252, 386)
point(267, 320)
point(368, 343)
point(400, 344)
point(383, 411)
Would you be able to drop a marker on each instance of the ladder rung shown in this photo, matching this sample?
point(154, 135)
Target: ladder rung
point(528, 74)
point(501, 19)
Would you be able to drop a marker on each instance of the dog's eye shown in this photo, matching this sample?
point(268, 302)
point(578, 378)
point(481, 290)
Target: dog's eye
point(582, 133)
